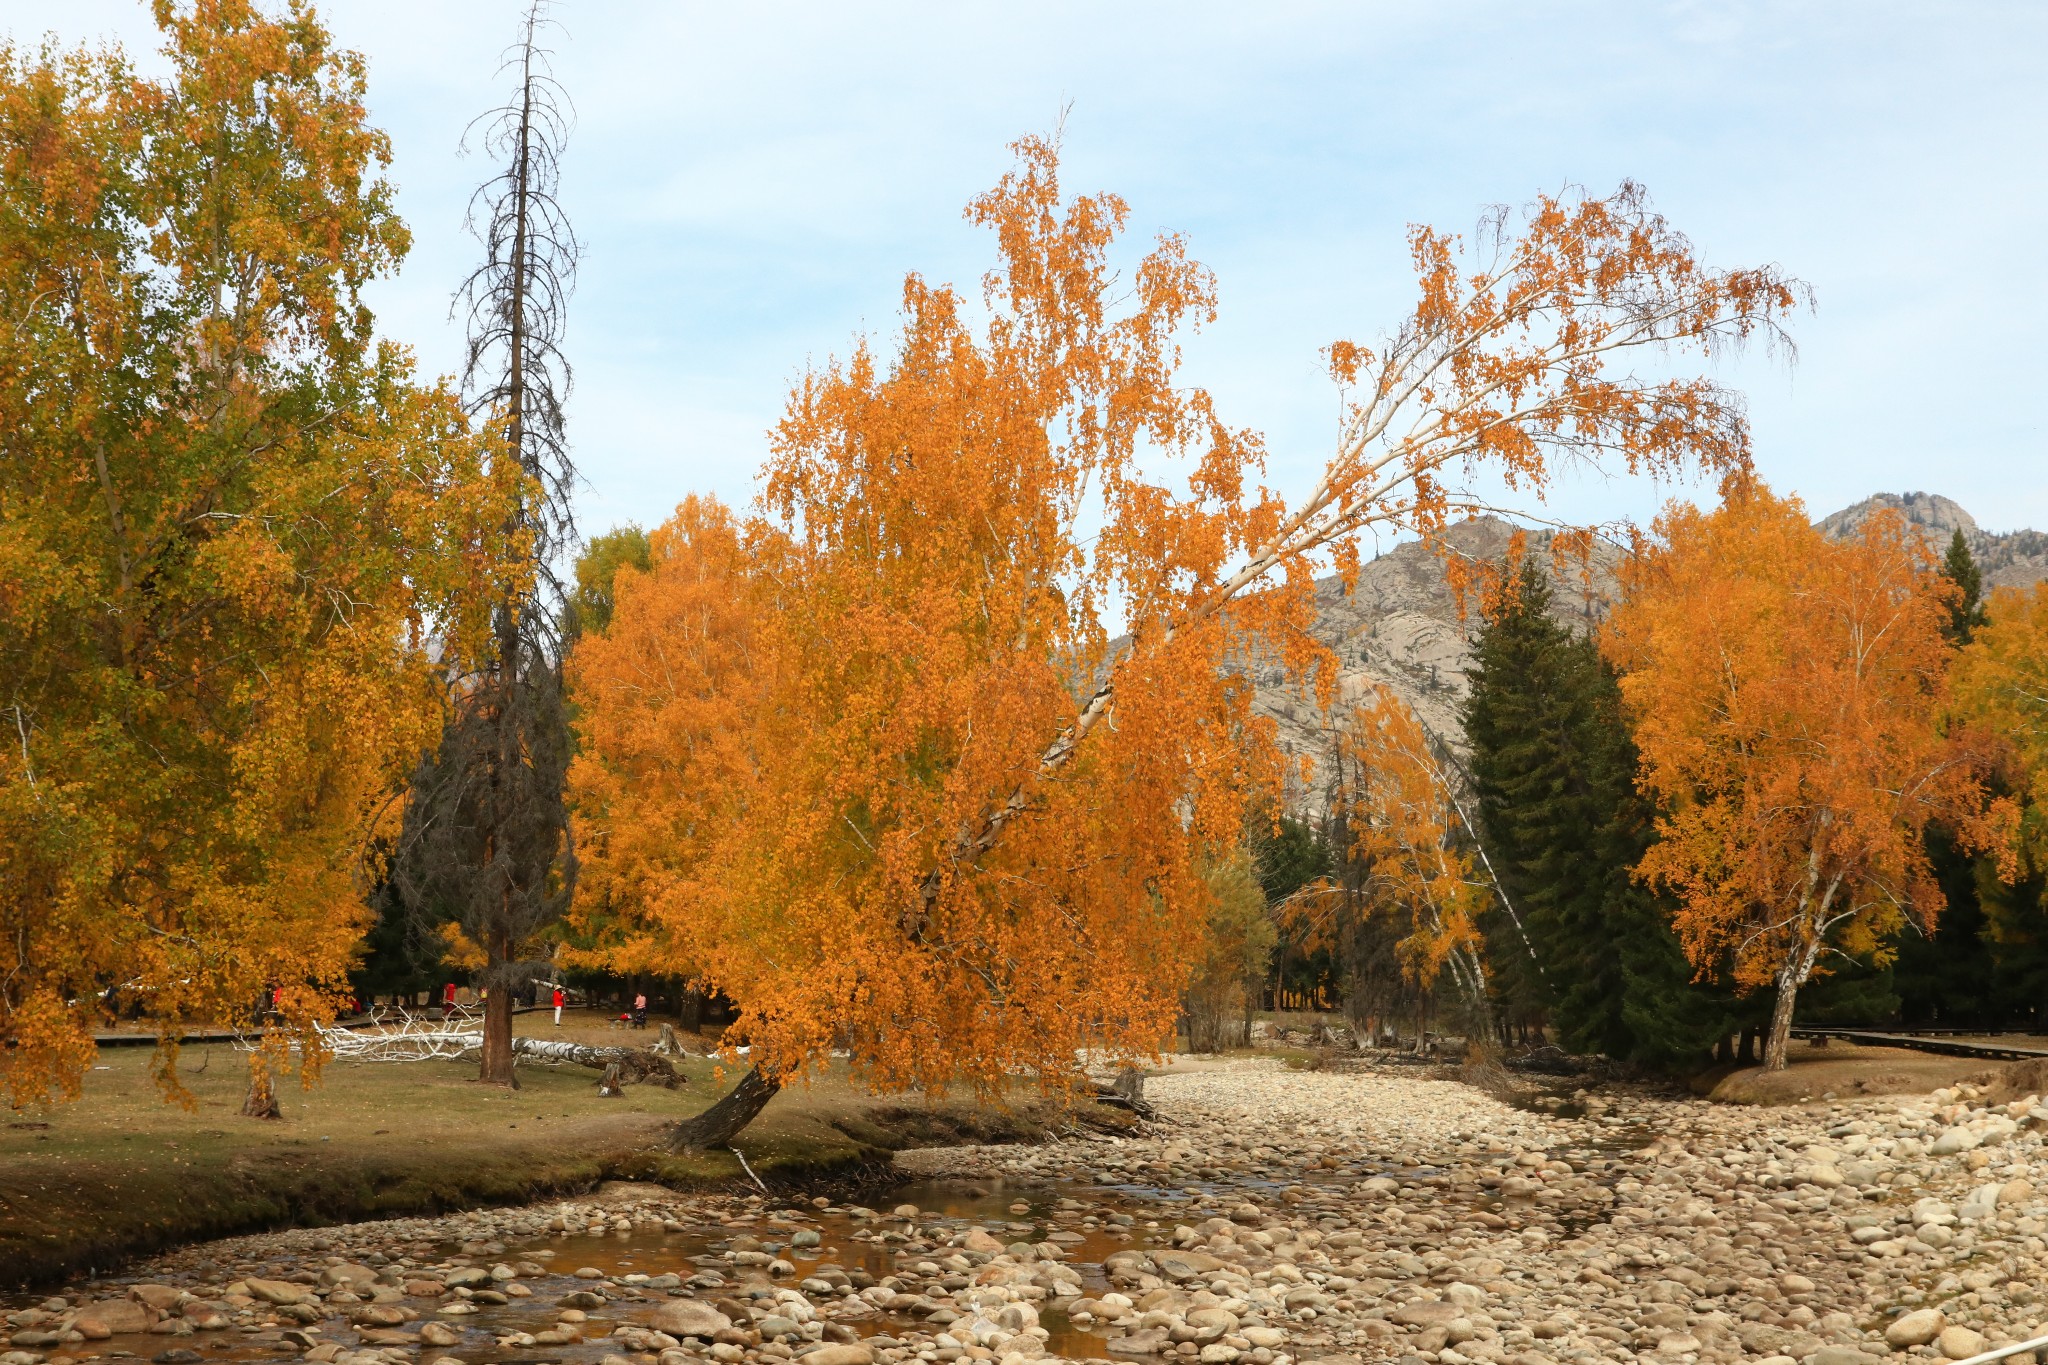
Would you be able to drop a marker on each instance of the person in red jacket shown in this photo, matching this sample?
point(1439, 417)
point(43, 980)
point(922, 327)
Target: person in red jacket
point(558, 1007)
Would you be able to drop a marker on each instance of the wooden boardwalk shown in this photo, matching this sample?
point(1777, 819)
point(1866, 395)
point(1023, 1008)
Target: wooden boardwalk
point(1922, 1042)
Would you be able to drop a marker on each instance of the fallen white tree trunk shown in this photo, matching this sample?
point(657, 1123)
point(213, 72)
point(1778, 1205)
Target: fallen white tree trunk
point(404, 1038)
point(634, 1063)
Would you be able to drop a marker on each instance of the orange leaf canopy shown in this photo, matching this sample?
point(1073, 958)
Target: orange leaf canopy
point(814, 704)
point(1788, 693)
point(960, 833)
point(1407, 837)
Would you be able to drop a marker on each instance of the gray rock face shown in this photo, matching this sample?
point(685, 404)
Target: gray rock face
point(2013, 559)
point(1403, 625)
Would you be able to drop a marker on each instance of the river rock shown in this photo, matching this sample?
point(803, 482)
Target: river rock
point(1425, 1313)
point(840, 1355)
point(1185, 1265)
point(349, 1275)
point(278, 1291)
point(1149, 1342)
point(109, 1317)
point(1916, 1328)
point(1954, 1141)
point(1959, 1343)
point(690, 1318)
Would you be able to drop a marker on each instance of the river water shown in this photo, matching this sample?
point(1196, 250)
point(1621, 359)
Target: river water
point(764, 1255)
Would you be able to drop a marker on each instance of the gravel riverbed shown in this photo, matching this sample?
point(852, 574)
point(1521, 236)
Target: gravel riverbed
point(1273, 1217)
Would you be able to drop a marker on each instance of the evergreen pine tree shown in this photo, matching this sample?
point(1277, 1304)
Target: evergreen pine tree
point(1959, 566)
point(1554, 772)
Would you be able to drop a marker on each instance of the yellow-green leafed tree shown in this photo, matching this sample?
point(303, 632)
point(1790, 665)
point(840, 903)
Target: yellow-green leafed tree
point(1224, 989)
point(229, 522)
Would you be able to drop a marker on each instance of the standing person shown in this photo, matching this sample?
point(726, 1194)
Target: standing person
point(448, 997)
point(640, 1011)
point(558, 1007)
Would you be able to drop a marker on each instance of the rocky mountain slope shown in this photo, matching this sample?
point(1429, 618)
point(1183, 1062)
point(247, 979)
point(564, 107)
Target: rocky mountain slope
point(2014, 559)
point(1402, 626)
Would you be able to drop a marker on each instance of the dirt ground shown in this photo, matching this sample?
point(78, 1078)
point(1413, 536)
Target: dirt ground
point(121, 1173)
point(1843, 1070)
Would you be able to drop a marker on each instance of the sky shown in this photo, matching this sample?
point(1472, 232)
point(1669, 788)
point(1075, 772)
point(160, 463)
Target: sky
point(752, 181)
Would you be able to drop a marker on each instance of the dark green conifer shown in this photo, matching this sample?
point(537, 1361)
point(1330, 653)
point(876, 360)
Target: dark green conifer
point(1949, 976)
point(1554, 771)
point(1959, 566)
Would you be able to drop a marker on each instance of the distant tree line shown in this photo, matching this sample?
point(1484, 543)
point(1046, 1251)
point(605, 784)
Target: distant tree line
point(1581, 947)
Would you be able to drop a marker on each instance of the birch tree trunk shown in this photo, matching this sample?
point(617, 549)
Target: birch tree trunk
point(635, 1064)
point(1791, 977)
point(722, 1122)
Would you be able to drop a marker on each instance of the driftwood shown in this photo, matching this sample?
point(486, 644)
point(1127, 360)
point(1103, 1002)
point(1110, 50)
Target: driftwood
point(1128, 1092)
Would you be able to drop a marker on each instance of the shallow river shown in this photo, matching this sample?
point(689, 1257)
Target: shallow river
point(748, 1256)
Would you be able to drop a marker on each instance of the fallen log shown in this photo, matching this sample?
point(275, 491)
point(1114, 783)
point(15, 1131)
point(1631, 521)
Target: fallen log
point(636, 1066)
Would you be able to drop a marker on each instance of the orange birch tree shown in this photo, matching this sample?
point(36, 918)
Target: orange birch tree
point(1788, 695)
point(1415, 861)
point(2001, 686)
point(972, 836)
point(227, 520)
point(671, 695)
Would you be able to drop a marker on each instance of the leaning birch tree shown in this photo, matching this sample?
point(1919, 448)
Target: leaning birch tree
point(967, 837)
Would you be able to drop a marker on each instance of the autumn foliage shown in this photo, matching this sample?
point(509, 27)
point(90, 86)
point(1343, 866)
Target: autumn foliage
point(228, 518)
point(671, 696)
point(973, 634)
point(932, 754)
point(1416, 861)
point(791, 722)
point(2001, 686)
point(1788, 694)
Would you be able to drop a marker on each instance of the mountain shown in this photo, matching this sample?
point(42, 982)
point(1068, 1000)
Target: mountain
point(1402, 626)
point(2014, 559)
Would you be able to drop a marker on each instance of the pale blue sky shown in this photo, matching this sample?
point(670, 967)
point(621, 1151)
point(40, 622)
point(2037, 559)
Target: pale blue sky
point(752, 180)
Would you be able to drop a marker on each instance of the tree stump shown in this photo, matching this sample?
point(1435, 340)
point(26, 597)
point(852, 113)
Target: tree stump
point(612, 1085)
point(261, 1101)
point(1128, 1092)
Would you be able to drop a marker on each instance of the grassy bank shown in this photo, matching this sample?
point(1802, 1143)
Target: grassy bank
point(121, 1174)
